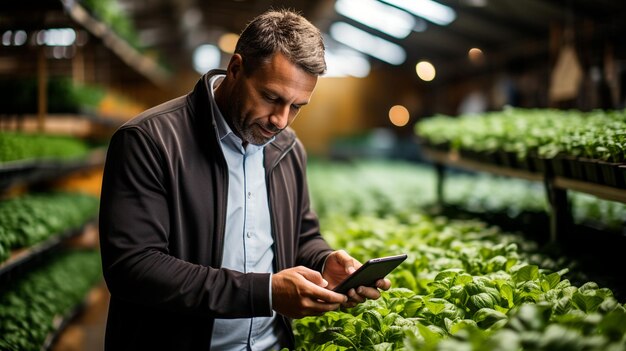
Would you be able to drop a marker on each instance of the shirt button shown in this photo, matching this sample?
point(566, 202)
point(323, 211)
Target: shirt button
point(249, 195)
point(248, 234)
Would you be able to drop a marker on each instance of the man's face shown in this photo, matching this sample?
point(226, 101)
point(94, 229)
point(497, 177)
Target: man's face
point(266, 101)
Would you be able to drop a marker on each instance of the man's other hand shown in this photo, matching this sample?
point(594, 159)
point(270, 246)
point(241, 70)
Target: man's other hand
point(299, 292)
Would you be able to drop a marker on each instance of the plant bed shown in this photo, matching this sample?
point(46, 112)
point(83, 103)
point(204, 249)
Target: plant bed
point(560, 166)
point(475, 155)
point(541, 165)
point(33, 218)
point(16, 171)
point(526, 164)
point(60, 322)
point(591, 170)
point(463, 277)
point(31, 304)
point(575, 168)
point(611, 174)
point(491, 157)
point(22, 259)
point(445, 146)
point(508, 159)
point(466, 284)
point(622, 172)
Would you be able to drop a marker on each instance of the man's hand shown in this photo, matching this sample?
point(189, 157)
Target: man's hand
point(339, 265)
point(299, 292)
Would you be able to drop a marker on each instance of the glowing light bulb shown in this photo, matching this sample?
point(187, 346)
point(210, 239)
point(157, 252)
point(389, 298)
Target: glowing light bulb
point(399, 115)
point(426, 71)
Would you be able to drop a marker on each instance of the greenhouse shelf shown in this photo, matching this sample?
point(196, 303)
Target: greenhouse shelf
point(74, 14)
point(145, 65)
point(601, 191)
point(456, 160)
point(556, 186)
point(60, 323)
point(22, 172)
point(29, 121)
point(24, 258)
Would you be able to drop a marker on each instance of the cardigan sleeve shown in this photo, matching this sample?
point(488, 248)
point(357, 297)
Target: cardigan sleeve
point(134, 231)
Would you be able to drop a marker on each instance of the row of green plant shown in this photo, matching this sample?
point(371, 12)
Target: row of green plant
point(30, 304)
point(462, 279)
point(465, 285)
point(369, 187)
point(35, 217)
point(63, 96)
point(544, 133)
point(16, 146)
point(490, 194)
point(398, 186)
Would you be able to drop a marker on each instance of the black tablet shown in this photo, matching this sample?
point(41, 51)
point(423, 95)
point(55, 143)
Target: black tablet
point(370, 272)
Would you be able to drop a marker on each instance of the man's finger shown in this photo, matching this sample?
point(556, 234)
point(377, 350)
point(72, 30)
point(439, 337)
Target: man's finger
point(313, 276)
point(347, 261)
point(327, 296)
point(367, 292)
point(383, 284)
point(320, 307)
point(354, 297)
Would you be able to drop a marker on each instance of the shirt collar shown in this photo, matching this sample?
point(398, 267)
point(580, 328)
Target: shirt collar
point(224, 132)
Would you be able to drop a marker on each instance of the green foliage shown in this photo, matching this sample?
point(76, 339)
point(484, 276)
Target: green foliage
point(20, 146)
point(539, 132)
point(64, 96)
point(32, 218)
point(30, 304)
point(393, 188)
point(110, 12)
point(464, 286)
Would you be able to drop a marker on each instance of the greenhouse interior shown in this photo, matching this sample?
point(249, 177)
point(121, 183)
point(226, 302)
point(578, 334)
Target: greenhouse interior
point(484, 139)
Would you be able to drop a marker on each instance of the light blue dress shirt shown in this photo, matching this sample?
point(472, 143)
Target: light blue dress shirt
point(248, 237)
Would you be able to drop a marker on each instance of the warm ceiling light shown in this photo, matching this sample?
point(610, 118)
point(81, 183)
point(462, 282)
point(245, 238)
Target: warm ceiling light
point(367, 43)
point(476, 55)
point(227, 42)
point(426, 71)
point(426, 9)
point(377, 15)
point(399, 115)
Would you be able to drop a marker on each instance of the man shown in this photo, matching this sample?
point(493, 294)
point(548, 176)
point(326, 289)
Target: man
point(207, 237)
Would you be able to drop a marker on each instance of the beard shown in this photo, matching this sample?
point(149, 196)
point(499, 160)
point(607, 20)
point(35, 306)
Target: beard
point(252, 133)
point(249, 132)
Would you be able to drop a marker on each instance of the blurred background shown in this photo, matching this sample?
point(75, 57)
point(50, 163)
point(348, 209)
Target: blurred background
point(391, 63)
point(72, 71)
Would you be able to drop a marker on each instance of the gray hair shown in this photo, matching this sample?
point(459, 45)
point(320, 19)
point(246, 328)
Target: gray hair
point(285, 32)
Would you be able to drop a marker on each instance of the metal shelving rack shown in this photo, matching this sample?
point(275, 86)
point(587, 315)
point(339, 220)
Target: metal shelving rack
point(556, 186)
point(21, 260)
point(35, 15)
point(25, 172)
point(30, 61)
